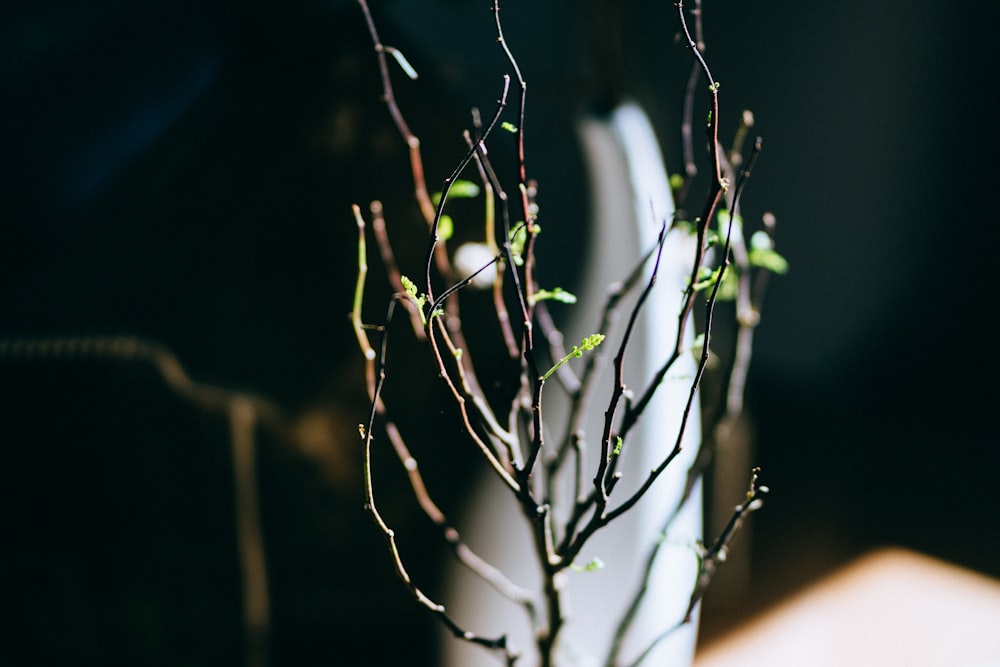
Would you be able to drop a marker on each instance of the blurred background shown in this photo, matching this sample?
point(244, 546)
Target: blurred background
point(183, 172)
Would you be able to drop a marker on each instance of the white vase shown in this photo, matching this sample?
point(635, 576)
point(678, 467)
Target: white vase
point(630, 200)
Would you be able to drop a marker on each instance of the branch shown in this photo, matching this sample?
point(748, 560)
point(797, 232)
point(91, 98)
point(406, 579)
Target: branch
point(710, 559)
point(717, 188)
point(416, 161)
point(687, 142)
point(465, 555)
point(499, 305)
point(438, 610)
point(580, 393)
point(436, 251)
point(603, 481)
point(389, 262)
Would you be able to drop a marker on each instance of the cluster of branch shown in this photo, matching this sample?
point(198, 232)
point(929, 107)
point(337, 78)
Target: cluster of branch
point(512, 446)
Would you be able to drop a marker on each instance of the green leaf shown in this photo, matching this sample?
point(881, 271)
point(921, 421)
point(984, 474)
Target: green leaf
point(591, 342)
point(586, 345)
point(768, 259)
point(517, 240)
point(519, 237)
point(464, 189)
point(727, 290)
point(446, 227)
point(403, 63)
point(555, 294)
point(460, 189)
point(706, 278)
point(594, 565)
point(730, 286)
point(763, 255)
point(411, 294)
point(409, 286)
point(761, 240)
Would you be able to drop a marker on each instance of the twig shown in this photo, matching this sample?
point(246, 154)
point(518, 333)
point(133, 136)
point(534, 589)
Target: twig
point(489, 194)
point(717, 187)
point(733, 404)
point(436, 255)
point(710, 559)
point(465, 555)
point(389, 262)
point(687, 122)
point(516, 463)
point(416, 161)
point(438, 610)
point(580, 396)
point(438, 324)
point(602, 482)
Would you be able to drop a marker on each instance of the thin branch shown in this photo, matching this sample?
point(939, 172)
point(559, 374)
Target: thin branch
point(557, 350)
point(573, 440)
point(524, 287)
point(710, 559)
point(439, 324)
point(416, 161)
point(687, 122)
point(449, 331)
point(435, 238)
point(389, 262)
point(436, 253)
point(489, 195)
point(692, 395)
point(438, 610)
point(733, 404)
point(602, 482)
point(465, 555)
point(717, 188)
point(715, 555)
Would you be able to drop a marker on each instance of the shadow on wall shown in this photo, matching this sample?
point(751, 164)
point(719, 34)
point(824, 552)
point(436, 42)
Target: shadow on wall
point(185, 174)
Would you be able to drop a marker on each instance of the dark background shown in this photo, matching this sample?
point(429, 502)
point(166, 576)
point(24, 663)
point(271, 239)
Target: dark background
point(184, 172)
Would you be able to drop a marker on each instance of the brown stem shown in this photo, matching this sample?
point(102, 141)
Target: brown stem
point(416, 161)
point(391, 268)
point(497, 644)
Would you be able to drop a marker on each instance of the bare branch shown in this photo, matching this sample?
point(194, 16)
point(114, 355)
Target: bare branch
point(435, 608)
point(389, 262)
point(416, 161)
